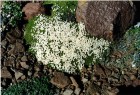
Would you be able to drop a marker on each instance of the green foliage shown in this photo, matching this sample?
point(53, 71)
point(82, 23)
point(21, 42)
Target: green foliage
point(36, 86)
point(66, 9)
point(11, 13)
point(129, 49)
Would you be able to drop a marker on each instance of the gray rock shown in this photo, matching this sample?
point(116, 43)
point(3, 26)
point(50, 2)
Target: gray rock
point(29, 73)
point(19, 48)
point(68, 92)
point(24, 58)
point(5, 73)
point(16, 32)
point(23, 77)
point(10, 38)
point(24, 65)
point(18, 74)
point(84, 80)
point(77, 91)
point(10, 61)
point(4, 43)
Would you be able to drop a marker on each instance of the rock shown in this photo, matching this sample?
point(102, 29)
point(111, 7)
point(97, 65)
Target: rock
point(18, 75)
point(106, 19)
point(9, 61)
point(77, 91)
point(81, 10)
point(2, 52)
point(84, 80)
point(32, 9)
point(18, 48)
point(4, 43)
point(24, 65)
point(23, 77)
point(36, 74)
point(60, 80)
point(132, 77)
point(36, 68)
point(16, 32)
point(24, 58)
point(10, 38)
point(92, 89)
point(5, 73)
point(29, 73)
point(74, 82)
point(68, 92)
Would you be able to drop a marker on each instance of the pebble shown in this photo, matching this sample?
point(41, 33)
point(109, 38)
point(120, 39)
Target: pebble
point(23, 77)
point(10, 38)
point(68, 92)
point(74, 82)
point(18, 75)
point(24, 58)
point(132, 77)
point(3, 43)
point(77, 91)
point(5, 73)
point(29, 73)
point(24, 65)
point(84, 80)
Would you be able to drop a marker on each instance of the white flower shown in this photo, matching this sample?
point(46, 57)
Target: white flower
point(63, 45)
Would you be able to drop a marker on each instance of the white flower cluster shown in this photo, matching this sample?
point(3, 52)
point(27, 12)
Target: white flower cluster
point(64, 45)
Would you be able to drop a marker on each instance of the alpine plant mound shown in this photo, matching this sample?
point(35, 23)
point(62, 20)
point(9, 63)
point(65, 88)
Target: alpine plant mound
point(64, 45)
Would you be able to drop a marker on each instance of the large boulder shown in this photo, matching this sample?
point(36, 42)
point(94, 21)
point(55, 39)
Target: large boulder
point(106, 19)
point(33, 9)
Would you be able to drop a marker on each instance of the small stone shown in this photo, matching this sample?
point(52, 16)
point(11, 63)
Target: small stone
point(3, 83)
point(23, 77)
point(77, 91)
point(24, 65)
point(10, 38)
point(24, 58)
point(9, 61)
point(2, 52)
point(68, 92)
point(19, 48)
point(18, 75)
point(5, 73)
point(84, 80)
point(4, 43)
point(29, 73)
point(132, 77)
point(74, 82)
point(16, 32)
point(60, 80)
point(36, 69)
point(36, 74)
point(12, 49)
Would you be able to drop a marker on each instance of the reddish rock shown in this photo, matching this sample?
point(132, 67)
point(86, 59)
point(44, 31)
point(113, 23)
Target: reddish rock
point(106, 19)
point(60, 80)
point(32, 9)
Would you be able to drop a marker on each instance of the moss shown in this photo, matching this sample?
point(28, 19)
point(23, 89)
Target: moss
point(36, 86)
point(66, 9)
point(128, 48)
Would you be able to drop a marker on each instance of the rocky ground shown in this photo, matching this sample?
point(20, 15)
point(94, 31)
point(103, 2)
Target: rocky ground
point(17, 64)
